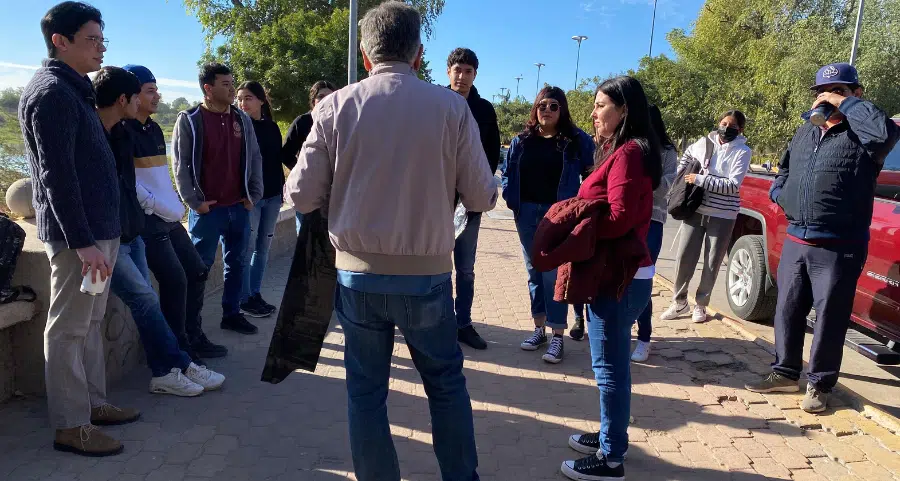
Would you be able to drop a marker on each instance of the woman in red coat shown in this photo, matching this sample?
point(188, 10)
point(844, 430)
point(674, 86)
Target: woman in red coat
point(626, 171)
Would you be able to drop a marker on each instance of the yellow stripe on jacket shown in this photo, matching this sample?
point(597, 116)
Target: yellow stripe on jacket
point(150, 162)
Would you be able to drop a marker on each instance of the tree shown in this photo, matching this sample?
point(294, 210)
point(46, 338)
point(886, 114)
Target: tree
point(760, 56)
point(511, 117)
point(287, 45)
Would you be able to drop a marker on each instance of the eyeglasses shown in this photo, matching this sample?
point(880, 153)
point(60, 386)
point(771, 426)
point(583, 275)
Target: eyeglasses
point(98, 41)
point(554, 107)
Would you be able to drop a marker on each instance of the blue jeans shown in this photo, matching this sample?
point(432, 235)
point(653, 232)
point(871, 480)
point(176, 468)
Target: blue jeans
point(131, 282)
point(464, 261)
point(654, 243)
point(230, 226)
point(262, 230)
point(609, 332)
point(427, 322)
point(540, 284)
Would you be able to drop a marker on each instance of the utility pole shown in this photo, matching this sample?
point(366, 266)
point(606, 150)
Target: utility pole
point(518, 79)
point(579, 39)
point(652, 28)
point(502, 95)
point(859, 17)
point(352, 47)
point(537, 85)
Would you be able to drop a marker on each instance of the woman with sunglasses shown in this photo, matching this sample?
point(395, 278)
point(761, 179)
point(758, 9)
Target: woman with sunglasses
point(543, 166)
point(627, 170)
point(725, 157)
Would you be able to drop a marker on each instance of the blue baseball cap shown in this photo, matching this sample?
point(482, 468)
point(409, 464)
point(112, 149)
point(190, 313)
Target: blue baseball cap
point(144, 75)
point(836, 73)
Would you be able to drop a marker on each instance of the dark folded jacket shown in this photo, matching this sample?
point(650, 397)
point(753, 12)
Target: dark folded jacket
point(589, 267)
point(307, 304)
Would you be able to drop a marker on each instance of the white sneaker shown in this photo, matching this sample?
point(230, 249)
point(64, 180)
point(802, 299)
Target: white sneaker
point(175, 383)
point(674, 311)
point(208, 379)
point(641, 352)
point(699, 314)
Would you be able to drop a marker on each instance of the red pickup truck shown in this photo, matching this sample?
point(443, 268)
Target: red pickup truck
point(759, 236)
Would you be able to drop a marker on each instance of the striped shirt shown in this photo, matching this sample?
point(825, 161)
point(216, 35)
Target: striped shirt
point(721, 179)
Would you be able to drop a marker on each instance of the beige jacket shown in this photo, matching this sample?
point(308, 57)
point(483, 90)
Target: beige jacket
point(389, 153)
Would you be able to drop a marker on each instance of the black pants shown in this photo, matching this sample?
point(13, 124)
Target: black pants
point(181, 274)
point(824, 278)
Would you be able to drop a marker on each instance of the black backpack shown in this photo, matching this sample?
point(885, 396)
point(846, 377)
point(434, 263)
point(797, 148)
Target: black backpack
point(684, 199)
point(12, 238)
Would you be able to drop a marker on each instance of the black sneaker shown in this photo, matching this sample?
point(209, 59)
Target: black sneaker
point(538, 339)
point(469, 336)
point(554, 354)
point(253, 308)
point(265, 305)
point(592, 468)
point(238, 323)
point(204, 348)
point(585, 443)
point(577, 331)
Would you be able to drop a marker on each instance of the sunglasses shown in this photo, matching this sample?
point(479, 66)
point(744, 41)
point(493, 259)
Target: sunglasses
point(833, 90)
point(554, 107)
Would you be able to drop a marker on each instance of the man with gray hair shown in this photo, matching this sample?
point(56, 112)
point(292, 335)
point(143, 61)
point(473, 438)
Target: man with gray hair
point(387, 155)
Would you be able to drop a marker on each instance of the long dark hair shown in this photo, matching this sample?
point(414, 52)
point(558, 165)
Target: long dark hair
point(314, 90)
point(635, 125)
point(738, 115)
point(565, 126)
point(656, 121)
point(259, 92)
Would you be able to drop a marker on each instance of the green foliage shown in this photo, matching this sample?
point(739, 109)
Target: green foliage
point(287, 45)
point(13, 165)
point(511, 117)
point(760, 56)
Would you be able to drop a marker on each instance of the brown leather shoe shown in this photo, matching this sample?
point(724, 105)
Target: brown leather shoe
point(109, 415)
point(86, 440)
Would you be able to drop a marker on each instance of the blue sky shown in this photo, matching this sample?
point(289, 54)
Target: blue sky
point(509, 36)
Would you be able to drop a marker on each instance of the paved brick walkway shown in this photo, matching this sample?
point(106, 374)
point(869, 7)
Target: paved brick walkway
point(692, 419)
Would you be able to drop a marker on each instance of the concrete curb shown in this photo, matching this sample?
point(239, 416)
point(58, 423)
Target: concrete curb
point(854, 399)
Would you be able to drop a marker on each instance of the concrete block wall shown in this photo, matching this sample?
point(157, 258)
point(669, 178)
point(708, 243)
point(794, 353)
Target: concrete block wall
point(22, 345)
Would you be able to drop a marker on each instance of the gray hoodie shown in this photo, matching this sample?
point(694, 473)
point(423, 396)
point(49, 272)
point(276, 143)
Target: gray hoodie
point(187, 157)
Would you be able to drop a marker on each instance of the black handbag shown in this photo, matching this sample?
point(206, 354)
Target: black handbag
point(684, 199)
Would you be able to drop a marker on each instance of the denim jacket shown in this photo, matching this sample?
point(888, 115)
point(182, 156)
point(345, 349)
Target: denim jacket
point(574, 165)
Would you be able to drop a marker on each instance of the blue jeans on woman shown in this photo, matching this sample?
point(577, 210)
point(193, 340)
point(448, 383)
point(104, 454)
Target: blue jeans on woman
point(540, 284)
point(130, 282)
point(654, 243)
point(263, 219)
point(609, 332)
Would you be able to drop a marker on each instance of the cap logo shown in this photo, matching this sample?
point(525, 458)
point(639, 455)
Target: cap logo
point(830, 71)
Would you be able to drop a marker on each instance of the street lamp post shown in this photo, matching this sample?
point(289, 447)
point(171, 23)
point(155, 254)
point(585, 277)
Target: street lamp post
point(537, 84)
point(859, 17)
point(652, 28)
point(518, 79)
point(579, 39)
point(352, 47)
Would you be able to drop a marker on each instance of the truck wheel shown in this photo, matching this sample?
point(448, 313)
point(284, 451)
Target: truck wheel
point(746, 280)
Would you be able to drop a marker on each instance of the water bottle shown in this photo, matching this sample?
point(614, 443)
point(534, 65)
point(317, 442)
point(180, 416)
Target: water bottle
point(819, 115)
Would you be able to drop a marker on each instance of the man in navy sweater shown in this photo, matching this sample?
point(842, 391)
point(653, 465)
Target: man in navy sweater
point(826, 188)
point(76, 199)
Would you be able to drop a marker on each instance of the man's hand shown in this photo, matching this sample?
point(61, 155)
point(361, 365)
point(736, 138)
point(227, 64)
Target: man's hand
point(204, 207)
point(247, 204)
point(689, 178)
point(830, 98)
point(92, 258)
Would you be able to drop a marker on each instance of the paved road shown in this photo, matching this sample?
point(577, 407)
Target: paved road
point(692, 421)
point(879, 385)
